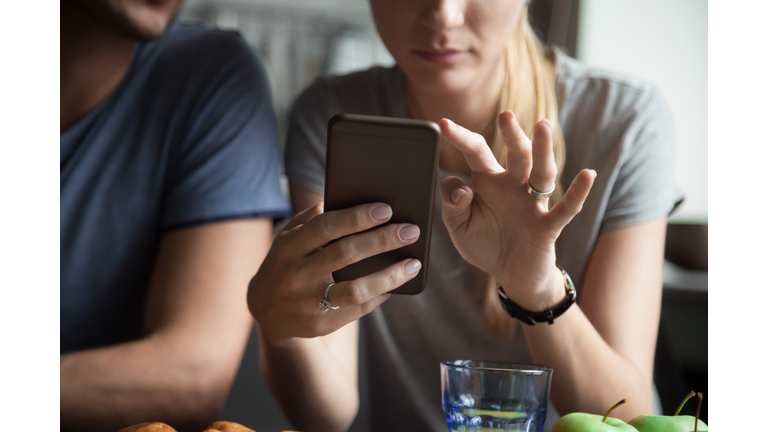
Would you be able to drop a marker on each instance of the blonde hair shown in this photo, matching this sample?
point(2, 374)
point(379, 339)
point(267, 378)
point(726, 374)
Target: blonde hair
point(529, 92)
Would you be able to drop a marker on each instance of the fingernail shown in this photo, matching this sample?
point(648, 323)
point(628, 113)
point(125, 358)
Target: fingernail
point(450, 122)
point(412, 267)
point(409, 232)
point(381, 212)
point(594, 174)
point(548, 123)
point(457, 194)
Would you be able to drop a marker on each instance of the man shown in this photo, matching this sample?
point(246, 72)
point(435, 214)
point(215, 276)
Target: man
point(169, 183)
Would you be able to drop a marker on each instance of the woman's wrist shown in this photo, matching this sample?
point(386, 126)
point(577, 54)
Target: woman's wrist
point(551, 294)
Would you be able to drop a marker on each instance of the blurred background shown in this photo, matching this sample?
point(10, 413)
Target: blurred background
point(660, 42)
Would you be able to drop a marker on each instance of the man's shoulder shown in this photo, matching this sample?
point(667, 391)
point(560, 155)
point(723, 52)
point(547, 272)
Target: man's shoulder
point(195, 41)
point(194, 64)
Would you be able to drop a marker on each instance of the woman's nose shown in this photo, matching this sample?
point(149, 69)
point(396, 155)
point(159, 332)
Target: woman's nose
point(442, 15)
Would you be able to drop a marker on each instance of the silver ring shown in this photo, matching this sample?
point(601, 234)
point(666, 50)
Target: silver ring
point(326, 304)
point(539, 195)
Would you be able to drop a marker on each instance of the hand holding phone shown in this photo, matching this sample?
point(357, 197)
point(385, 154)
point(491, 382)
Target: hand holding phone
point(390, 160)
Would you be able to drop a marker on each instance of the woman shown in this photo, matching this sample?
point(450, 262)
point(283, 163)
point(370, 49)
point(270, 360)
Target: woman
point(468, 61)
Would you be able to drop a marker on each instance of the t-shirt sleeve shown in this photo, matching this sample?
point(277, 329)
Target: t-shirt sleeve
point(306, 138)
point(226, 164)
point(644, 188)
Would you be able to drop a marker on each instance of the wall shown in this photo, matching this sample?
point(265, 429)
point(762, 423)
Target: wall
point(664, 43)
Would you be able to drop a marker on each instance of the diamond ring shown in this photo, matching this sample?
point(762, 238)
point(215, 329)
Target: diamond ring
point(326, 304)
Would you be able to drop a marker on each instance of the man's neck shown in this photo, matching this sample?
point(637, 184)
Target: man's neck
point(474, 108)
point(94, 62)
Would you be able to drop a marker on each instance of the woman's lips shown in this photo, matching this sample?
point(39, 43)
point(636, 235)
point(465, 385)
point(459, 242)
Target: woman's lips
point(446, 56)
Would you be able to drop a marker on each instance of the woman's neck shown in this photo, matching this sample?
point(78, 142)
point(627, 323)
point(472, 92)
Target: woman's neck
point(474, 108)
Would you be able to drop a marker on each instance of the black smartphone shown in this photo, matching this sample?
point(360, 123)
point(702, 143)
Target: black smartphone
point(390, 160)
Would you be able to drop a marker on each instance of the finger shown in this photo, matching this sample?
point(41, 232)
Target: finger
point(358, 247)
point(303, 217)
point(329, 226)
point(356, 295)
point(544, 171)
point(457, 202)
point(473, 146)
point(333, 320)
point(518, 146)
point(570, 205)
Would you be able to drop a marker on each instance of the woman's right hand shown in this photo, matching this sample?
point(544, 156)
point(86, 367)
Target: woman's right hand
point(284, 297)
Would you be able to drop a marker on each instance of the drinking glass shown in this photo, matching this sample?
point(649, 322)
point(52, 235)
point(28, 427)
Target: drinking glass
point(491, 396)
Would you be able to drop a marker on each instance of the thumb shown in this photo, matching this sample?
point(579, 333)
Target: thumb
point(457, 202)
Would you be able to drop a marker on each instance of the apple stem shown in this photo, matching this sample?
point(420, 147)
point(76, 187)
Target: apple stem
point(698, 410)
point(621, 402)
point(690, 395)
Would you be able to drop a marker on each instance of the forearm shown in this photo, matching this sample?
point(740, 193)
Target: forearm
point(110, 388)
point(589, 375)
point(197, 325)
point(511, 235)
point(315, 388)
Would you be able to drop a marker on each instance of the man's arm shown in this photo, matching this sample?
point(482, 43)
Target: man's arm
point(196, 325)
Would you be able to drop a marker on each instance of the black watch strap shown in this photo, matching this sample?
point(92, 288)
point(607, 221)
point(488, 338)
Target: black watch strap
point(548, 315)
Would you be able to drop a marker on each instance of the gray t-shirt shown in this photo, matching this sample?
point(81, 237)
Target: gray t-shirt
point(614, 124)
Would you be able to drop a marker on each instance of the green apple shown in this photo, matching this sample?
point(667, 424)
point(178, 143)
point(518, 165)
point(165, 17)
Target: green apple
point(583, 422)
point(673, 423)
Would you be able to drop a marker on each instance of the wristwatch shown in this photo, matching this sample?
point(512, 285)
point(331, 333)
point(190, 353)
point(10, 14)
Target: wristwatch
point(548, 315)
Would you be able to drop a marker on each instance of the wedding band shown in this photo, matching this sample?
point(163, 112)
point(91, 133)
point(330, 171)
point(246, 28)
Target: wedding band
point(326, 304)
point(539, 195)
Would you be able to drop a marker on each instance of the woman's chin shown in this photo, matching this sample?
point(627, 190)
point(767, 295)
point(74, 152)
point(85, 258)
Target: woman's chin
point(437, 82)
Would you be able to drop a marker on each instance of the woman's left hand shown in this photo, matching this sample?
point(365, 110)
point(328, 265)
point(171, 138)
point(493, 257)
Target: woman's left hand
point(501, 228)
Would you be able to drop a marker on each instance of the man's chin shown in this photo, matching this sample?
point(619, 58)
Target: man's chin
point(147, 20)
point(148, 33)
point(143, 28)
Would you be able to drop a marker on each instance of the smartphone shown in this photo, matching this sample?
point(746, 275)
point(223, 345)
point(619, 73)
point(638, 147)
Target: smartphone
point(390, 160)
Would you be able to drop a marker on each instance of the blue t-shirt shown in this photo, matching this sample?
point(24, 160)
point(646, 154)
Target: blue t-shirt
point(188, 137)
